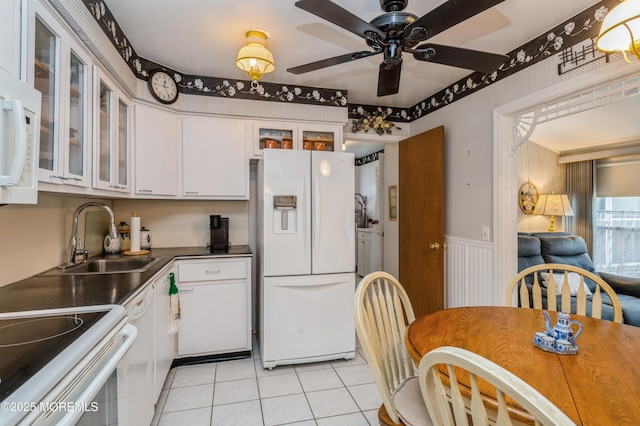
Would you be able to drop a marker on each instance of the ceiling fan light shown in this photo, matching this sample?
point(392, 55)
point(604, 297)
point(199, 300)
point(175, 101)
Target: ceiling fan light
point(254, 58)
point(620, 30)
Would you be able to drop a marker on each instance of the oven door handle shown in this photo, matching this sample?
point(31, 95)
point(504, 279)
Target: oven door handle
point(129, 333)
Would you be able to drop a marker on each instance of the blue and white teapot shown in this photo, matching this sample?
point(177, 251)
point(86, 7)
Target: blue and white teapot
point(563, 330)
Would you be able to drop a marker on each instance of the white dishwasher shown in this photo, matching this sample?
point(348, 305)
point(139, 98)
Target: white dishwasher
point(141, 375)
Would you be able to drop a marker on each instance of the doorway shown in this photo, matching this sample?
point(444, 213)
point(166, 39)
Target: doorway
point(508, 135)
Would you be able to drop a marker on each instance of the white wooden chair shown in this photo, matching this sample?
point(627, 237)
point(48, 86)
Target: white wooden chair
point(564, 280)
point(448, 406)
point(382, 312)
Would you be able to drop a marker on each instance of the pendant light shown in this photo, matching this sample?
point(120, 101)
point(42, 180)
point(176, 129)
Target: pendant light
point(254, 58)
point(620, 30)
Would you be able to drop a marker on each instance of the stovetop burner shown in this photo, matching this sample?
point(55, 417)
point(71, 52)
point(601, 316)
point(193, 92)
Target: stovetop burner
point(24, 332)
point(27, 344)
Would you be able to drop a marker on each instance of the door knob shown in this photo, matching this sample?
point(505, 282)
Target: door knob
point(437, 246)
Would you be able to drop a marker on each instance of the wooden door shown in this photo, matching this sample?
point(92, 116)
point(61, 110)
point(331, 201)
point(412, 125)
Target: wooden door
point(421, 220)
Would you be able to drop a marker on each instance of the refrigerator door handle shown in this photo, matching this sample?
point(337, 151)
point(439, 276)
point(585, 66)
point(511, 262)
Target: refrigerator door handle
point(305, 212)
point(316, 216)
point(300, 285)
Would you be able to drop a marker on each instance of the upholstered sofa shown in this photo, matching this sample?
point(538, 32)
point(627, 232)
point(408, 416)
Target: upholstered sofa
point(560, 247)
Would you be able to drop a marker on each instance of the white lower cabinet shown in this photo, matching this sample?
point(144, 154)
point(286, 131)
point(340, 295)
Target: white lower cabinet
point(165, 342)
point(369, 251)
point(215, 300)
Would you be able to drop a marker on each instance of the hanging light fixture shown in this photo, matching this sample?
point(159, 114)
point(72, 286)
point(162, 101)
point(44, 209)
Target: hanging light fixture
point(620, 30)
point(254, 58)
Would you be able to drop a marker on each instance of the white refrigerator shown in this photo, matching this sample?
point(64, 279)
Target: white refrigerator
point(306, 256)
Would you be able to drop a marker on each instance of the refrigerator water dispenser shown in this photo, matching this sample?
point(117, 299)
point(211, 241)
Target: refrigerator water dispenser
point(285, 214)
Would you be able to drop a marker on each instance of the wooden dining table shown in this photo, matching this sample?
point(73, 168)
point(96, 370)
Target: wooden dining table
point(600, 385)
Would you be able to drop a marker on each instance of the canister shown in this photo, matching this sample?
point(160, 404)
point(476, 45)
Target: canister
point(112, 245)
point(145, 238)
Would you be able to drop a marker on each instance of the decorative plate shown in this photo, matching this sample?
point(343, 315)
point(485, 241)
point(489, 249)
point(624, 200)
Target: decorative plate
point(528, 197)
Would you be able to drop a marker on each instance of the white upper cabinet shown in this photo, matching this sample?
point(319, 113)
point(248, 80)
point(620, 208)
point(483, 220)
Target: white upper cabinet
point(10, 31)
point(214, 160)
point(112, 118)
point(157, 134)
point(61, 70)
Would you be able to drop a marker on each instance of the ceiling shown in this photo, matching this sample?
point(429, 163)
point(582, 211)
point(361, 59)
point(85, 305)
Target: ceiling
point(202, 37)
point(613, 124)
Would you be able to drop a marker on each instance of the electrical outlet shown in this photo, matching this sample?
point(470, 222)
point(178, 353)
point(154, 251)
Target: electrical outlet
point(485, 233)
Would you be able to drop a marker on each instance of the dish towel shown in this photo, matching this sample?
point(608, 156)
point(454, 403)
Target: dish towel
point(174, 305)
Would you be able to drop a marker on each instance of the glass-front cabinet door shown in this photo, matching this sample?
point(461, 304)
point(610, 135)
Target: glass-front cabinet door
point(111, 121)
point(320, 137)
point(274, 135)
point(104, 119)
point(76, 133)
point(46, 80)
point(122, 177)
point(60, 68)
point(291, 135)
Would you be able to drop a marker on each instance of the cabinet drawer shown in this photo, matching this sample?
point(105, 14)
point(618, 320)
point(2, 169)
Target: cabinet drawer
point(364, 236)
point(212, 271)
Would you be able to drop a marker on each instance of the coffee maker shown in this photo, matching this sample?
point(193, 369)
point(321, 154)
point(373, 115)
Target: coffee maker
point(219, 233)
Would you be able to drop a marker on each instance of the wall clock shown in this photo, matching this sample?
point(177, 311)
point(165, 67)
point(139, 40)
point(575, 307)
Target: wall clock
point(163, 87)
point(528, 197)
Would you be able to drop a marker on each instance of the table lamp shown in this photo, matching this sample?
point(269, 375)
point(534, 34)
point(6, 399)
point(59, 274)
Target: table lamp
point(553, 205)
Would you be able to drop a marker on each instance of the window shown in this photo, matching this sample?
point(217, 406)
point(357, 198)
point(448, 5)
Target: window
point(617, 235)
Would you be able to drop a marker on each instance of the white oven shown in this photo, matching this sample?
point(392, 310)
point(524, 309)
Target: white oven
point(65, 366)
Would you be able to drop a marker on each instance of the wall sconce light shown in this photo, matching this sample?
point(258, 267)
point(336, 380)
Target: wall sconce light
point(254, 58)
point(620, 30)
point(553, 205)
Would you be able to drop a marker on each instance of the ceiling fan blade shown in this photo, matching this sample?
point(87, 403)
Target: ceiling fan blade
point(458, 57)
point(335, 14)
point(449, 14)
point(389, 79)
point(329, 62)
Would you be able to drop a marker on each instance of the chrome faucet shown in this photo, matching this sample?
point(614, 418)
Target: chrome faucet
point(75, 245)
point(363, 209)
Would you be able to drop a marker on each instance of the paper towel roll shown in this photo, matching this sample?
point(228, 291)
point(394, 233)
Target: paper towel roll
point(135, 234)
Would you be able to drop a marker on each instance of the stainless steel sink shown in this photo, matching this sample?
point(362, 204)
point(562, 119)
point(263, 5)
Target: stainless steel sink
point(107, 265)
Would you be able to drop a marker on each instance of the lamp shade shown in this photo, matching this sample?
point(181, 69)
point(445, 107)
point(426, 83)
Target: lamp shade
point(254, 58)
point(553, 205)
point(620, 30)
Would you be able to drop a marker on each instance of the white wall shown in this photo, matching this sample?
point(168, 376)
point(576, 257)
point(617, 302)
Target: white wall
point(367, 186)
point(185, 223)
point(35, 238)
point(470, 168)
point(540, 166)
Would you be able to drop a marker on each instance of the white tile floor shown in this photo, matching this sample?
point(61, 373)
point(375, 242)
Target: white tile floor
point(242, 393)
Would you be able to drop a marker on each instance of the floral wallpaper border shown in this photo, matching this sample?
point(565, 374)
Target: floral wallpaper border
point(210, 86)
point(563, 36)
point(369, 158)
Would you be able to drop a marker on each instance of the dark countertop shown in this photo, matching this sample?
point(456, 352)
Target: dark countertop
point(45, 292)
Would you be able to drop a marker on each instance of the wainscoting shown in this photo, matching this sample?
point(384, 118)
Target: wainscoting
point(469, 274)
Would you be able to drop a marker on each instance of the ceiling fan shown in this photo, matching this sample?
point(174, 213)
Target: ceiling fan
point(396, 31)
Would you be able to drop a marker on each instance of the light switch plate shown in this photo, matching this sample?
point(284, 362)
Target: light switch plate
point(485, 233)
